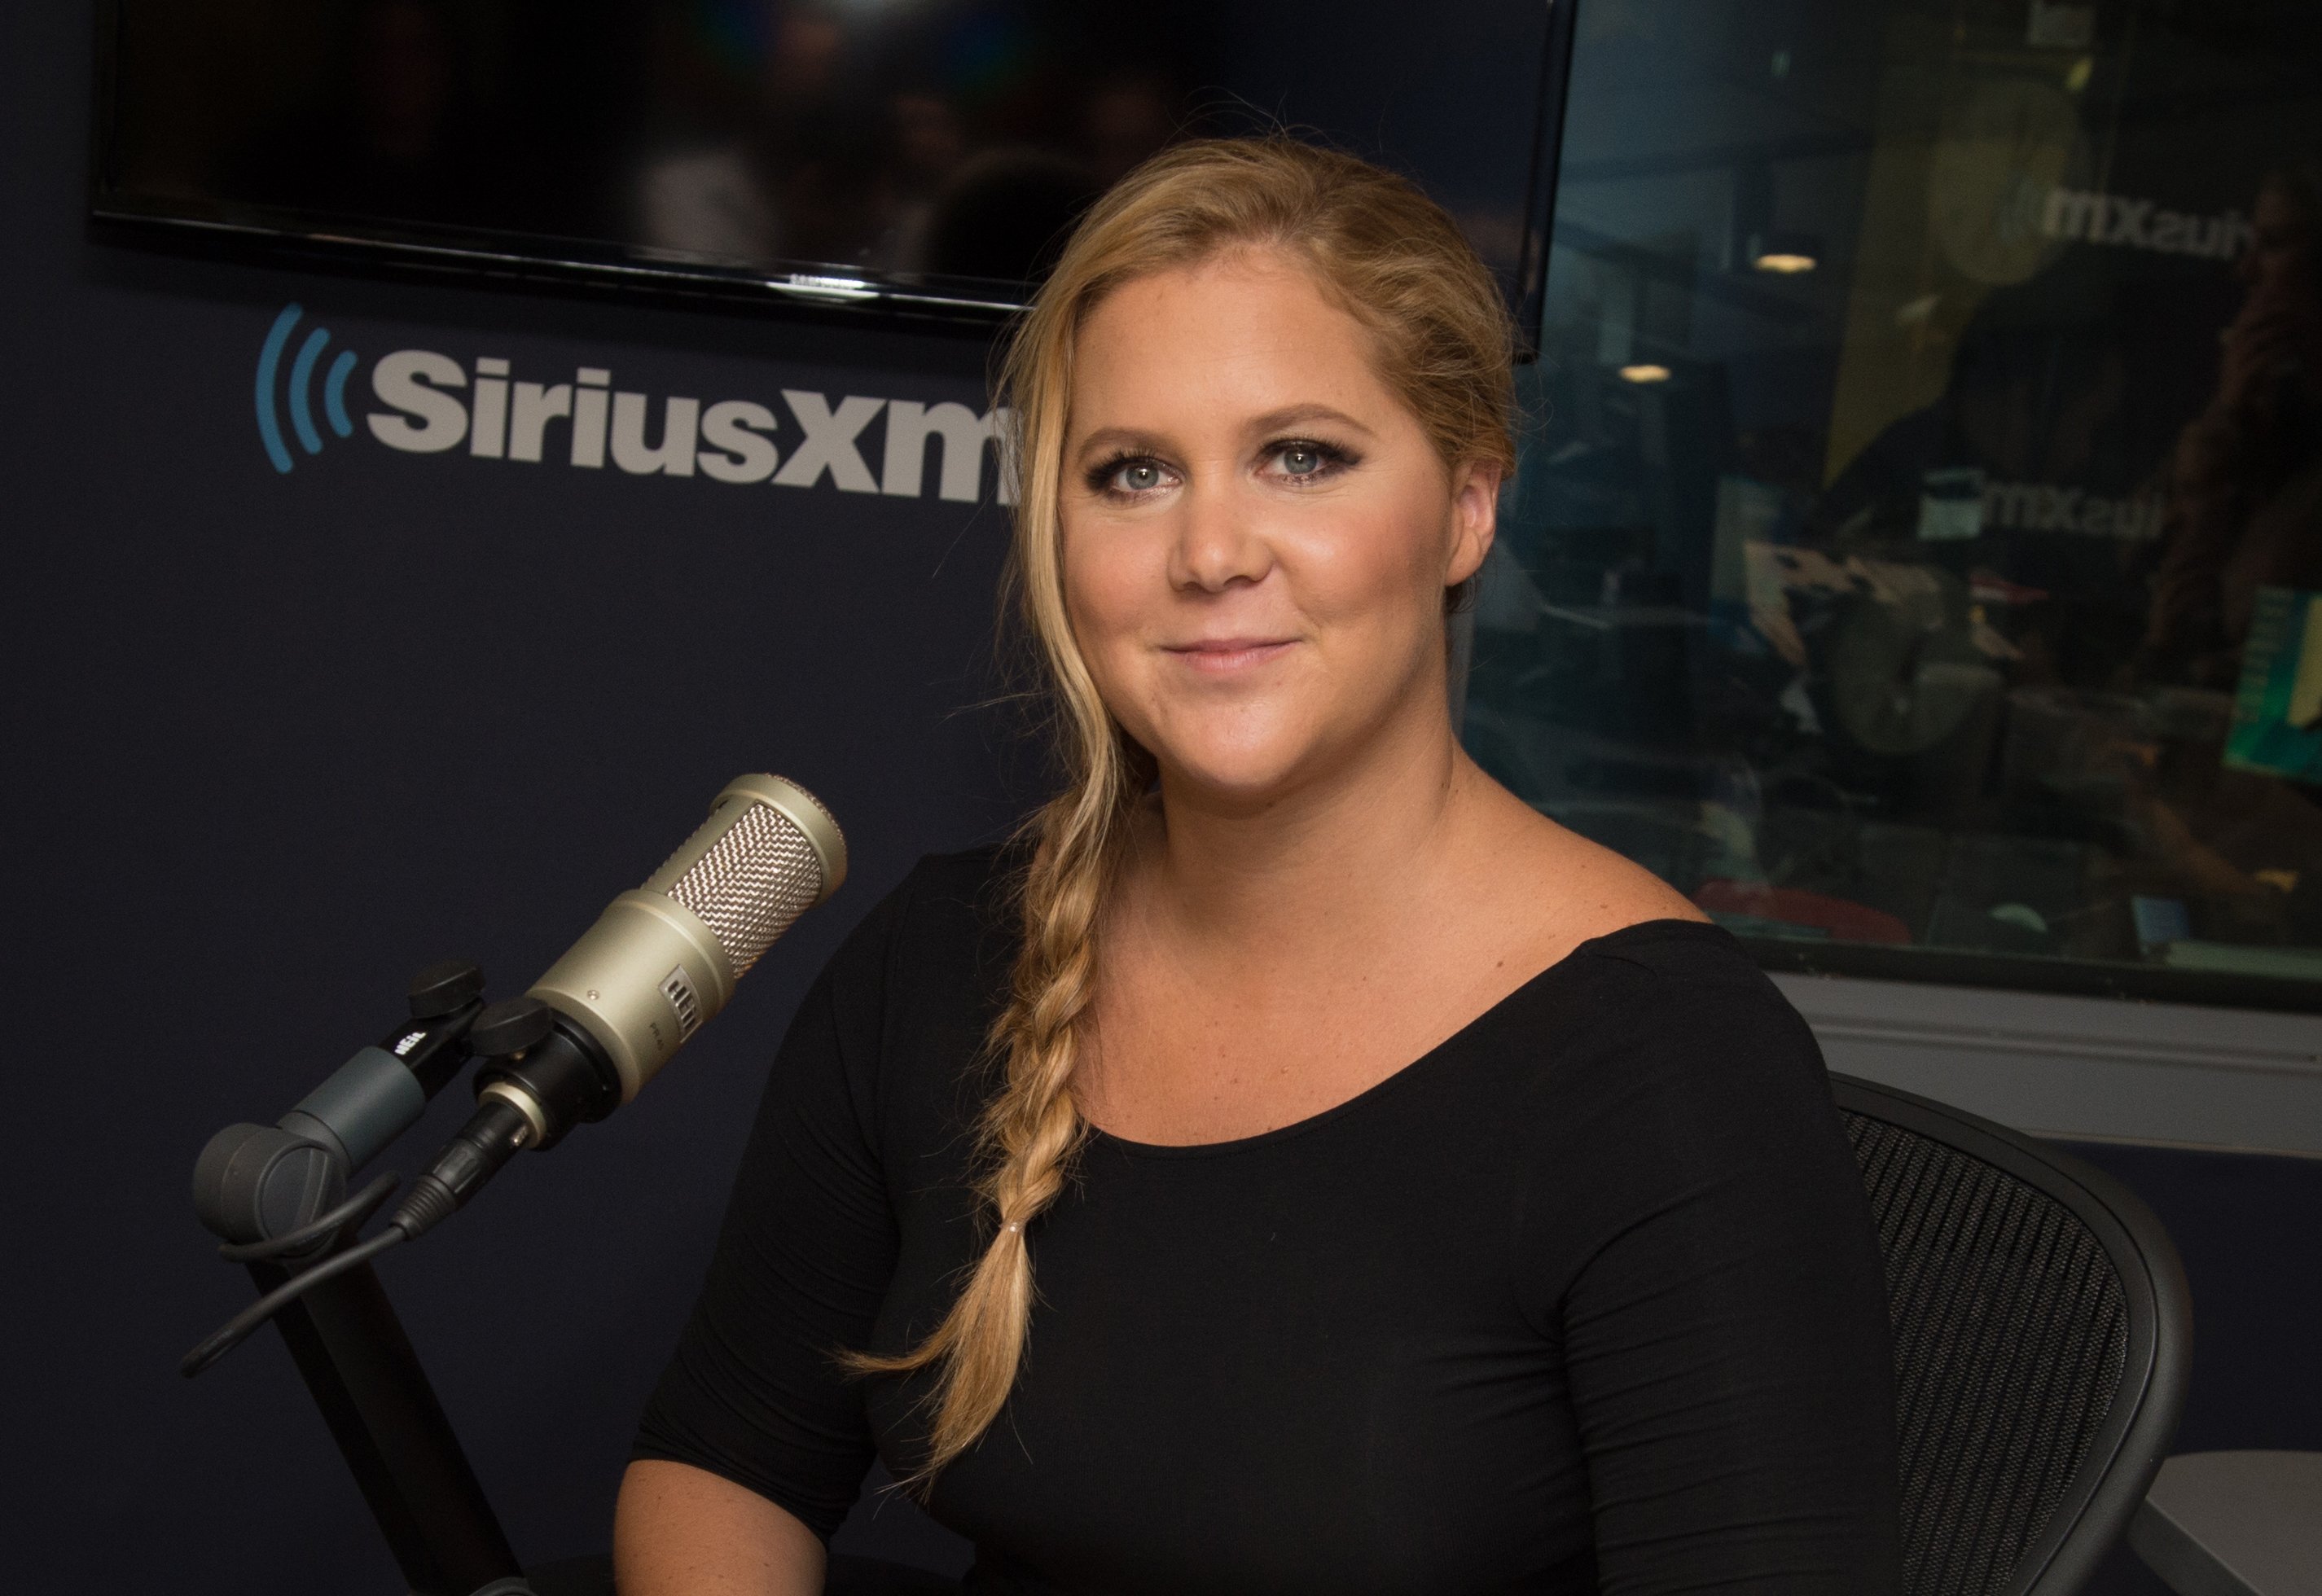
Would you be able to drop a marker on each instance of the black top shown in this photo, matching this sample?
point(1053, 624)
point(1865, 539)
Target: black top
point(1585, 1298)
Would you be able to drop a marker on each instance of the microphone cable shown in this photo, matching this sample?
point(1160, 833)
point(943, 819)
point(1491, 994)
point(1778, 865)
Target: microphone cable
point(468, 1160)
point(347, 1215)
point(351, 1212)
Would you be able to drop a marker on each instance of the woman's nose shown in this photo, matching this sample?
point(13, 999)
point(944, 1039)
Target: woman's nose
point(1217, 543)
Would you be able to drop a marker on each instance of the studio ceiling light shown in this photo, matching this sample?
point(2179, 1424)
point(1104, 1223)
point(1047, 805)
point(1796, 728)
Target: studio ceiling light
point(1785, 251)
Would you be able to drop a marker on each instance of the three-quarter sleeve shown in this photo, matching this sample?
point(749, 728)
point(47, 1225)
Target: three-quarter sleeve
point(755, 1392)
point(1724, 1316)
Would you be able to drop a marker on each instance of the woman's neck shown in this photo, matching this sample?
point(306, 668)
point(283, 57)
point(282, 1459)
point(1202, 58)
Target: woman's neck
point(1331, 858)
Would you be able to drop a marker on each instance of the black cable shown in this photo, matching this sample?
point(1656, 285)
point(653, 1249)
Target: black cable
point(348, 1214)
point(488, 1140)
point(235, 1330)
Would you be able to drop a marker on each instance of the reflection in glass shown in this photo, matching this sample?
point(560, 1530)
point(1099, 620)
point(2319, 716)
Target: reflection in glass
point(1949, 585)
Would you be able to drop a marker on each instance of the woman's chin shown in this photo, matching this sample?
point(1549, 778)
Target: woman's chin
point(1236, 777)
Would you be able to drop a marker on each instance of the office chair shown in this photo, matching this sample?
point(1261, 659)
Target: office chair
point(2042, 1336)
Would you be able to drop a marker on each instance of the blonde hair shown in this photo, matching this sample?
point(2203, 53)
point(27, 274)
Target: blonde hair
point(1392, 259)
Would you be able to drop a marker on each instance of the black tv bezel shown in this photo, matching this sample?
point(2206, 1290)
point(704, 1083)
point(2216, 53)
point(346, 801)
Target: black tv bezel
point(547, 261)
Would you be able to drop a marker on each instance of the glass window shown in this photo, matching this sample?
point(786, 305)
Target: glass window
point(1916, 551)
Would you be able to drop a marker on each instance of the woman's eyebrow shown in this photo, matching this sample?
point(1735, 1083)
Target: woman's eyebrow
point(1289, 417)
point(1114, 439)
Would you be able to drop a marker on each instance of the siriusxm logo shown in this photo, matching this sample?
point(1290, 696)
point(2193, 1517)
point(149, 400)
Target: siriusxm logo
point(2140, 224)
point(302, 388)
point(433, 404)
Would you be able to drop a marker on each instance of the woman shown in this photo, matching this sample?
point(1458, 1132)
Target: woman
point(1368, 1185)
point(2245, 493)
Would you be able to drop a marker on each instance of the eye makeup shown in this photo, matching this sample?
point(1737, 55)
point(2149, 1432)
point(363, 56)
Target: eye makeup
point(1329, 459)
point(1105, 477)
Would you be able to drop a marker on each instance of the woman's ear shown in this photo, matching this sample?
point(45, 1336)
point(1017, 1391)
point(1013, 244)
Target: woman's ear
point(1474, 517)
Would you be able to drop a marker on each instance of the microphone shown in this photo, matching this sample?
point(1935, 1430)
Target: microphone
point(659, 963)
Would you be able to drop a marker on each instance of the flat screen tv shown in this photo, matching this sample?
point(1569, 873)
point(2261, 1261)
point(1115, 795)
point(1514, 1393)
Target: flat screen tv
point(916, 156)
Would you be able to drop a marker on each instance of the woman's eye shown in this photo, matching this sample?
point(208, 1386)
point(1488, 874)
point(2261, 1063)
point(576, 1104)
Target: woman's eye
point(1306, 462)
point(1131, 477)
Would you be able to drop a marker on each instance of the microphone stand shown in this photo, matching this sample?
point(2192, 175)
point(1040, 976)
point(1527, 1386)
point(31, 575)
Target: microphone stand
point(363, 1373)
point(350, 1347)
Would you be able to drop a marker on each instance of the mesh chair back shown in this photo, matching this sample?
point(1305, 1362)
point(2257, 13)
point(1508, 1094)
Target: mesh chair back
point(2041, 1332)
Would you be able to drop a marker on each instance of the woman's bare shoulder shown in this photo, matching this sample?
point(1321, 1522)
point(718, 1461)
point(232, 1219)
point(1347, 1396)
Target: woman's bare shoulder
point(1571, 888)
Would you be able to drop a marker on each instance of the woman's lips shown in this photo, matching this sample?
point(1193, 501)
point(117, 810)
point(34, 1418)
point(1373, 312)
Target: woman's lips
point(1222, 656)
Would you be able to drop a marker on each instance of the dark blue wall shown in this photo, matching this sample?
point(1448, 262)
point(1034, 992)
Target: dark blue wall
point(279, 738)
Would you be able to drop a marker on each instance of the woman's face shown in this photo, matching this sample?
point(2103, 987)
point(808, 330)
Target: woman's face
point(1257, 532)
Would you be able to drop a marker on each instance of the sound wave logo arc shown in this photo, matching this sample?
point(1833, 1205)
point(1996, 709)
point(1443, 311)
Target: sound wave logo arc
point(301, 389)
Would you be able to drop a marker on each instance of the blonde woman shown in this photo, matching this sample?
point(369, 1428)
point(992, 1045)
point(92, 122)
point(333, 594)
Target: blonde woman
point(1295, 1165)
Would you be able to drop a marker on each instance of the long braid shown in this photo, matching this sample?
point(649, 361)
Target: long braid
point(1032, 1128)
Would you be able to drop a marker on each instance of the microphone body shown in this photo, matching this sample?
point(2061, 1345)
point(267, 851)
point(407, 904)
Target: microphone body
point(660, 962)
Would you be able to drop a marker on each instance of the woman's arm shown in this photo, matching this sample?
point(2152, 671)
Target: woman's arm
point(1726, 1339)
point(756, 1442)
point(683, 1531)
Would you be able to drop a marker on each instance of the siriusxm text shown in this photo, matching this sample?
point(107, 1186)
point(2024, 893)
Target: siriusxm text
point(436, 404)
point(2125, 222)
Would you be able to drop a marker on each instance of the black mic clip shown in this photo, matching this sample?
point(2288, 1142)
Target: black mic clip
point(542, 1076)
point(259, 1186)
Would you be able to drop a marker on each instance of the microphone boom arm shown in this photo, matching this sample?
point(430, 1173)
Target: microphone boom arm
point(383, 1411)
point(660, 961)
point(344, 1337)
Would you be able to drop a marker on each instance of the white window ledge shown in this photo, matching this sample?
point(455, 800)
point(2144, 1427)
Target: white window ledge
point(2088, 1069)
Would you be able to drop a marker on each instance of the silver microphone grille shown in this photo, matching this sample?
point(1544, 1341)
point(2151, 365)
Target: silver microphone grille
point(762, 869)
point(754, 882)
